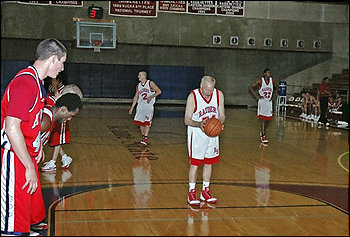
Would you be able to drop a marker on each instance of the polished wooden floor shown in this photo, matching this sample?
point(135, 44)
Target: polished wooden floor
point(297, 185)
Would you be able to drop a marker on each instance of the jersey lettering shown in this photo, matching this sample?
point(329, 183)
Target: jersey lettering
point(36, 142)
point(209, 109)
point(37, 119)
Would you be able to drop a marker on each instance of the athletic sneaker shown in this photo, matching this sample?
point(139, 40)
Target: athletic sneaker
point(206, 196)
point(66, 160)
point(144, 141)
point(33, 233)
point(264, 139)
point(39, 227)
point(49, 166)
point(192, 198)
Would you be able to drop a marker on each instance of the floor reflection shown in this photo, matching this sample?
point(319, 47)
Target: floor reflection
point(141, 169)
point(262, 177)
point(199, 217)
point(56, 191)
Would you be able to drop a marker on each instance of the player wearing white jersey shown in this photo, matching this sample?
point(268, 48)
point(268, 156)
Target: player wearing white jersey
point(203, 103)
point(267, 92)
point(145, 96)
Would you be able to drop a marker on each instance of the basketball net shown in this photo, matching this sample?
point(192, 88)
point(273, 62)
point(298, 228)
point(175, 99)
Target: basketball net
point(97, 45)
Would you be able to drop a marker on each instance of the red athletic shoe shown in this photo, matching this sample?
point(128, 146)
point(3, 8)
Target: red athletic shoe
point(206, 196)
point(144, 141)
point(192, 198)
point(264, 139)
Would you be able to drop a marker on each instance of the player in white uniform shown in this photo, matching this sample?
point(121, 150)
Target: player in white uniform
point(267, 92)
point(203, 103)
point(145, 96)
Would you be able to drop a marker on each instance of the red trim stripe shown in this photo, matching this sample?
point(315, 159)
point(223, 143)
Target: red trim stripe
point(207, 101)
point(211, 161)
point(191, 145)
point(207, 161)
point(147, 123)
point(195, 101)
point(217, 97)
point(264, 117)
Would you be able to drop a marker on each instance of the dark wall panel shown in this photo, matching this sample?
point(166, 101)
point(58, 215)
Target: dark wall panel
point(9, 68)
point(176, 81)
point(117, 81)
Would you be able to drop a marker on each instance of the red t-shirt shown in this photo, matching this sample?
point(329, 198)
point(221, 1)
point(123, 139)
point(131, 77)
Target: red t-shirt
point(324, 87)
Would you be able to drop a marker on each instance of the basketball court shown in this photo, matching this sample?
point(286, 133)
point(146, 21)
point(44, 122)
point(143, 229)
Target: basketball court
point(297, 185)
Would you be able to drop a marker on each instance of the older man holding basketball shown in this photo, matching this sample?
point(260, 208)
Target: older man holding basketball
point(203, 103)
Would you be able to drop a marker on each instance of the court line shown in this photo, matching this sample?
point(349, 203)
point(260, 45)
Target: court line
point(184, 181)
point(186, 208)
point(209, 218)
point(339, 161)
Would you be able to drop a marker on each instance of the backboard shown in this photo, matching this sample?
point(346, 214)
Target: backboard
point(88, 32)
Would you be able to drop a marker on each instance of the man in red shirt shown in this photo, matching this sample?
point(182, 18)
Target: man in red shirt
point(22, 205)
point(324, 92)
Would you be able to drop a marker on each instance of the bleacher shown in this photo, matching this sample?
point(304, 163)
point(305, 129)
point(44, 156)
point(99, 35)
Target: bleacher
point(338, 83)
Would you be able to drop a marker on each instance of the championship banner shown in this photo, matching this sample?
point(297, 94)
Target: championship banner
point(35, 2)
point(68, 3)
point(201, 7)
point(230, 8)
point(133, 8)
point(172, 6)
point(55, 3)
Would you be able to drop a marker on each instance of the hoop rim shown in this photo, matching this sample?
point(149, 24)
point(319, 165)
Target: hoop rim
point(97, 45)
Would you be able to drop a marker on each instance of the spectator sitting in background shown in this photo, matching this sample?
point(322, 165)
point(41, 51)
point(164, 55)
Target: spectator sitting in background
point(303, 106)
point(335, 102)
point(315, 108)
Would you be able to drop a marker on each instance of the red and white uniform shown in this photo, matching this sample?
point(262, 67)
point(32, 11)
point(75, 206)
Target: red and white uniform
point(23, 99)
point(144, 110)
point(60, 133)
point(265, 103)
point(202, 148)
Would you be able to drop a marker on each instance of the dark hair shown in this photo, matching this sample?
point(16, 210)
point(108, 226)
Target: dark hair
point(325, 78)
point(266, 70)
point(48, 48)
point(71, 101)
point(62, 78)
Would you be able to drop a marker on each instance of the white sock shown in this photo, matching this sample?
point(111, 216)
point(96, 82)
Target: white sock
point(64, 156)
point(205, 185)
point(192, 186)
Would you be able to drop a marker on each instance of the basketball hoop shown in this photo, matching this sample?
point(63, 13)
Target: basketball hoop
point(97, 45)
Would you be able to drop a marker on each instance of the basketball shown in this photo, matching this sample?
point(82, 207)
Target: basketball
point(213, 127)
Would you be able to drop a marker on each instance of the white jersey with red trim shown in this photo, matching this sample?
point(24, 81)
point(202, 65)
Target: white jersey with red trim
point(202, 148)
point(144, 110)
point(145, 91)
point(205, 109)
point(265, 103)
